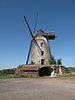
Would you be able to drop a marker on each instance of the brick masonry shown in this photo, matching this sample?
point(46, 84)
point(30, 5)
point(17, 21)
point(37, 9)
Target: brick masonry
point(34, 69)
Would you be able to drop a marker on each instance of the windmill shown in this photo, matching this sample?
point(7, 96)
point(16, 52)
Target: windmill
point(41, 53)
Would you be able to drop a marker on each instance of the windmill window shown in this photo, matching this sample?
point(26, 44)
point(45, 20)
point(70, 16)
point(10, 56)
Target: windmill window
point(41, 44)
point(42, 61)
point(42, 53)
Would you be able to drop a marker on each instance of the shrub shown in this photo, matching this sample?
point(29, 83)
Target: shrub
point(32, 63)
point(52, 60)
point(59, 62)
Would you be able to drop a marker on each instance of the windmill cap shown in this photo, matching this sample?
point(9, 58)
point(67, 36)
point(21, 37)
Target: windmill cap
point(49, 35)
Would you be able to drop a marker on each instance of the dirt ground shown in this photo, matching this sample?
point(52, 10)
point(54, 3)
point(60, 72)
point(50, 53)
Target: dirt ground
point(37, 89)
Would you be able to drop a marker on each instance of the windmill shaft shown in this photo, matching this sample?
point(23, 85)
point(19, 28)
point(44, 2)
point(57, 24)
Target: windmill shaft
point(37, 44)
point(31, 32)
point(29, 52)
point(35, 21)
point(28, 27)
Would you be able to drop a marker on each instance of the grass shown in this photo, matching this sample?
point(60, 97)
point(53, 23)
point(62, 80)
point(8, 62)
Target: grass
point(66, 75)
point(8, 76)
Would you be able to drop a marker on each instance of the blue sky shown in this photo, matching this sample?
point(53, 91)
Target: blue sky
point(53, 15)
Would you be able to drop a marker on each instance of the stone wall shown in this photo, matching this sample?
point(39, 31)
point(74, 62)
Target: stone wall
point(27, 69)
point(51, 70)
point(36, 52)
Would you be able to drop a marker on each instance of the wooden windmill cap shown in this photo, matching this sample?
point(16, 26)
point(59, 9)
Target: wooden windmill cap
point(49, 35)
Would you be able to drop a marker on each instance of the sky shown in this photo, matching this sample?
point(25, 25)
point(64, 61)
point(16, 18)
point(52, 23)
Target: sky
point(53, 15)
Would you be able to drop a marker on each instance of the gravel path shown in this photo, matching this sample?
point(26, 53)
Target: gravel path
point(37, 89)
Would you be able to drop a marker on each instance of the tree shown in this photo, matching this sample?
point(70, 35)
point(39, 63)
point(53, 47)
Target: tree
point(32, 63)
point(59, 62)
point(52, 60)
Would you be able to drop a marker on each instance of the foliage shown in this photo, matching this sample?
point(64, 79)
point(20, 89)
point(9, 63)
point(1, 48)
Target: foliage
point(53, 60)
point(70, 69)
point(21, 65)
point(59, 62)
point(7, 71)
point(32, 63)
point(66, 75)
point(4, 76)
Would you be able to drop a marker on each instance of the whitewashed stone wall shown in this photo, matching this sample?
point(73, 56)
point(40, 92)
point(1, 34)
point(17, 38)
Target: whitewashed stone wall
point(36, 53)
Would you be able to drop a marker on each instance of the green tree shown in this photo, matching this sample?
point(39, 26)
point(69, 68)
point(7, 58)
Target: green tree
point(52, 60)
point(59, 62)
point(32, 63)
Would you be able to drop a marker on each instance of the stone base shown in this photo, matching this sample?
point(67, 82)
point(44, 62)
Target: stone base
point(27, 70)
point(45, 70)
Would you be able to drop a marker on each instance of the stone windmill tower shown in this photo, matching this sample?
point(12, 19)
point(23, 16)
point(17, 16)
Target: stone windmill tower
point(41, 53)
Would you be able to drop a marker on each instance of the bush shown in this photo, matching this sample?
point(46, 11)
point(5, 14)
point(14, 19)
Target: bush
point(32, 63)
point(52, 60)
point(8, 71)
point(70, 69)
point(59, 62)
